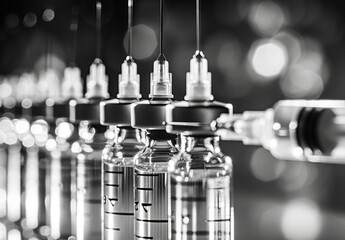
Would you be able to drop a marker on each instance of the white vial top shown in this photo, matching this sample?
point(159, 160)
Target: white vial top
point(161, 86)
point(26, 84)
point(97, 81)
point(199, 82)
point(49, 85)
point(72, 86)
point(129, 80)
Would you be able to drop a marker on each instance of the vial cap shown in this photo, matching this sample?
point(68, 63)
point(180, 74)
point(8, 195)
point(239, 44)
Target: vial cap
point(161, 86)
point(48, 86)
point(26, 83)
point(198, 82)
point(72, 87)
point(97, 81)
point(129, 80)
point(194, 118)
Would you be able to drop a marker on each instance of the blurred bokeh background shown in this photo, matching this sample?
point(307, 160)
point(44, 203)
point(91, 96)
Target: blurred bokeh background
point(259, 52)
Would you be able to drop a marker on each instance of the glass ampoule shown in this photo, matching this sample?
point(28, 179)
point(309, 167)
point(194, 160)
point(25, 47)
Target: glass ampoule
point(88, 154)
point(201, 201)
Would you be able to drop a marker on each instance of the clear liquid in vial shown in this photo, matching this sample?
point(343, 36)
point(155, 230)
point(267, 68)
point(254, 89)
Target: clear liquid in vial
point(151, 205)
point(61, 196)
point(37, 185)
point(118, 195)
point(201, 209)
point(89, 199)
point(3, 182)
point(15, 186)
point(118, 201)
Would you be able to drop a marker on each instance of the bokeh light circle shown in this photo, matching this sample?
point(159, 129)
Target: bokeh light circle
point(30, 19)
point(48, 15)
point(301, 83)
point(267, 18)
point(301, 220)
point(268, 58)
point(144, 41)
point(264, 166)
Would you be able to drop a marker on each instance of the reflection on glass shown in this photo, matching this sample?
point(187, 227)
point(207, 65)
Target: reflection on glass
point(3, 181)
point(88, 199)
point(61, 195)
point(118, 184)
point(61, 192)
point(14, 183)
point(37, 180)
point(32, 188)
point(3, 231)
point(88, 152)
point(14, 234)
point(55, 200)
point(200, 194)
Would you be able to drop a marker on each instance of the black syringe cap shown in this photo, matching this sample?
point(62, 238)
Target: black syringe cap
point(38, 110)
point(149, 114)
point(194, 118)
point(116, 112)
point(18, 110)
point(57, 109)
point(85, 110)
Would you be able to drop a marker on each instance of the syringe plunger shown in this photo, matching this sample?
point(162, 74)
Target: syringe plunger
point(97, 81)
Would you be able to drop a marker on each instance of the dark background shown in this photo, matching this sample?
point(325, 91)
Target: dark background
point(274, 199)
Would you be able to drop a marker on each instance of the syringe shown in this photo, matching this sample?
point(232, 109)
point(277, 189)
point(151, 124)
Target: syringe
point(151, 164)
point(88, 150)
point(200, 194)
point(118, 157)
point(62, 204)
point(304, 130)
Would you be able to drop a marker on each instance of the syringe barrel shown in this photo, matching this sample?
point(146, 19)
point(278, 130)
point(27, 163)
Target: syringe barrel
point(311, 130)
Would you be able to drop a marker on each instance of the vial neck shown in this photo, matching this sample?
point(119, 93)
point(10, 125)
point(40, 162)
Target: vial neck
point(124, 134)
point(160, 139)
point(92, 133)
point(199, 144)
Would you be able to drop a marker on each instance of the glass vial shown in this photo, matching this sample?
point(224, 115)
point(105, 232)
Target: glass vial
point(151, 185)
point(118, 165)
point(62, 207)
point(88, 155)
point(37, 187)
point(201, 195)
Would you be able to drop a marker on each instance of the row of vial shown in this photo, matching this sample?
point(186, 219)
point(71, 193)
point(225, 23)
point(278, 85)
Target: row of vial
point(92, 168)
